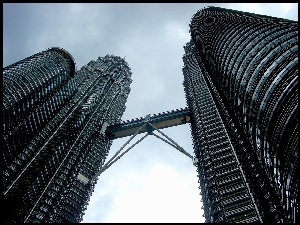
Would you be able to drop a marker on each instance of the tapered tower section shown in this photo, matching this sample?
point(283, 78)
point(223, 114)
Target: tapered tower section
point(31, 98)
point(49, 184)
point(247, 63)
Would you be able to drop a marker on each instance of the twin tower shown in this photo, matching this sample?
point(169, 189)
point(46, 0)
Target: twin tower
point(241, 84)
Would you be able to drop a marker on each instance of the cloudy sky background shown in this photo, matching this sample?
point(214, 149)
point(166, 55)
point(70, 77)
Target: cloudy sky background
point(153, 182)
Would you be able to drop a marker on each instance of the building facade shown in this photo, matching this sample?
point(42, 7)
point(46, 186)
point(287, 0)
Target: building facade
point(28, 88)
point(53, 116)
point(240, 79)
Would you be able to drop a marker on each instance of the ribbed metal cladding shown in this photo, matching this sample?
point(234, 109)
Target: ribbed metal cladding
point(226, 197)
point(30, 88)
point(252, 61)
point(47, 189)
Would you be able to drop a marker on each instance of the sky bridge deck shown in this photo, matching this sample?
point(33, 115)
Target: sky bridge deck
point(160, 121)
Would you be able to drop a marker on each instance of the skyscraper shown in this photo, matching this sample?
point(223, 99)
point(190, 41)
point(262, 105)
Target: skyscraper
point(29, 90)
point(53, 116)
point(240, 78)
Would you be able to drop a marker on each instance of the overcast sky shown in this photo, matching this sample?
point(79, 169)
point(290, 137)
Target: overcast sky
point(153, 182)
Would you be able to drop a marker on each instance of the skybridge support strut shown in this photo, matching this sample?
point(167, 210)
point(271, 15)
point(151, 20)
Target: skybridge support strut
point(150, 128)
point(173, 143)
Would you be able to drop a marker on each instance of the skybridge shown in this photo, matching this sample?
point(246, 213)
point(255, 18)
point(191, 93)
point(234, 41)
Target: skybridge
point(160, 121)
point(149, 124)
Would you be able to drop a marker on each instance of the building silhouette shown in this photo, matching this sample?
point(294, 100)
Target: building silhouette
point(53, 117)
point(240, 79)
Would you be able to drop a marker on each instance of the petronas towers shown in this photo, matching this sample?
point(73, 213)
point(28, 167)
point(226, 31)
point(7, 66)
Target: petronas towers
point(240, 80)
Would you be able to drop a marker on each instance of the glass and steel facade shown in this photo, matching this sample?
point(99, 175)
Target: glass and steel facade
point(249, 65)
point(41, 177)
point(225, 194)
point(31, 87)
point(240, 79)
